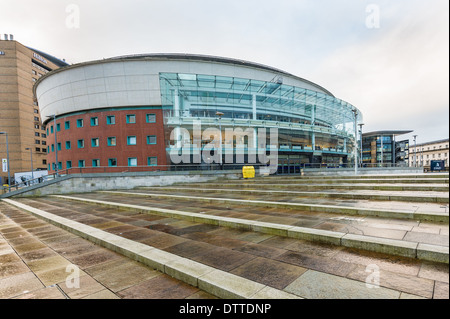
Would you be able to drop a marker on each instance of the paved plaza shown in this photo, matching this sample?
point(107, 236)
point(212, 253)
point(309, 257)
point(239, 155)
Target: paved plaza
point(283, 237)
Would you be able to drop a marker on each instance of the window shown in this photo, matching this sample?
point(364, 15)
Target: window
point(152, 161)
point(95, 163)
point(58, 146)
point(131, 118)
point(51, 129)
point(81, 163)
point(131, 140)
point(95, 142)
point(151, 139)
point(68, 146)
point(110, 119)
point(59, 165)
point(69, 164)
point(151, 118)
point(58, 127)
point(37, 142)
point(67, 125)
point(112, 161)
point(43, 135)
point(94, 121)
point(80, 143)
point(112, 141)
point(37, 134)
point(132, 161)
point(80, 123)
point(53, 147)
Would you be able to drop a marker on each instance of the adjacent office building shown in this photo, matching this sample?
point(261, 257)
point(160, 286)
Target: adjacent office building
point(381, 148)
point(141, 112)
point(20, 118)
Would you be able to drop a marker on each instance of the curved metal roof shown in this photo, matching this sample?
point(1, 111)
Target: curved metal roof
point(190, 57)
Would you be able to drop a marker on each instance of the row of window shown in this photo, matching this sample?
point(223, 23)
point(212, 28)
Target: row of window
point(111, 141)
point(110, 120)
point(112, 162)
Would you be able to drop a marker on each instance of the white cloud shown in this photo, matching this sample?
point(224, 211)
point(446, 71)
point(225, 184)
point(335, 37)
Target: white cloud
point(398, 76)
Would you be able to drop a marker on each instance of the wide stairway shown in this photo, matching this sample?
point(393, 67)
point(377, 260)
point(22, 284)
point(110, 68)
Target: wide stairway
point(275, 236)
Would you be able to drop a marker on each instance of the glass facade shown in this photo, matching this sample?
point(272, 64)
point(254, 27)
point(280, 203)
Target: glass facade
point(313, 127)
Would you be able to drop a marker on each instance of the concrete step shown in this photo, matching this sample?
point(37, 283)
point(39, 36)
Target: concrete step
point(367, 176)
point(438, 215)
point(206, 278)
point(434, 197)
point(327, 266)
point(436, 181)
point(315, 187)
point(403, 248)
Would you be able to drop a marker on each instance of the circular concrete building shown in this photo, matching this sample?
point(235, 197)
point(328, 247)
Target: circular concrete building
point(174, 111)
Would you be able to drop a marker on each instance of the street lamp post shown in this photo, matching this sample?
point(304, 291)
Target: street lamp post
point(382, 161)
point(361, 137)
point(415, 163)
point(7, 160)
point(31, 158)
point(220, 114)
point(355, 112)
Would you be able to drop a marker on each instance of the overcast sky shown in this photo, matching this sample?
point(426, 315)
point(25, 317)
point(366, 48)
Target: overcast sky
point(389, 58)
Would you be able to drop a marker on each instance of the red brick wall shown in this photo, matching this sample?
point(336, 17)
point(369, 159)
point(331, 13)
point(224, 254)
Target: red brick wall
point(121, 130)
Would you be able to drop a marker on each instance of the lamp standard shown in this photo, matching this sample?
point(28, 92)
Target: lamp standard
point(361, 137)
point(415, 163)
point(355, 112)
point(31, 158)
point(220, 114)
point(7, 160)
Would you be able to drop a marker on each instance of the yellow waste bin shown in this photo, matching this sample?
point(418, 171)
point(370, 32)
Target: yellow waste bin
point(248, 172)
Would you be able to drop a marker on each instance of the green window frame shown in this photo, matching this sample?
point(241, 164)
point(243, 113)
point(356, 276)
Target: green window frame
point(96, 162)
point(132, 161)
point(112, 162)
point(131, 118)
point(58, 127)
point(94, 121)
point(68, 145)
point(150, 118)
point(80, 143)
point(80, 123)
point(152, 161)
point(67, 125)
point(110, 120)
point(112, 141)
point(131, 140)
point(151, 139)
point(68, 164)
point(81, 163)
point(95, 142)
